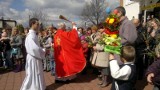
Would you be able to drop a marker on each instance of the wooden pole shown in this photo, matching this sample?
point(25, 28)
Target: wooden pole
point(121, 2)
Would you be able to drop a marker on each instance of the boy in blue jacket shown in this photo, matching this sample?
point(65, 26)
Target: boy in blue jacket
point(124, 76)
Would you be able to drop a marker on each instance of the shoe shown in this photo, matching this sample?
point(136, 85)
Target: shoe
point(84, 73)
point(52, 74)
point(99, 76)
point(47, 70)
point(100, 83)
point(44, 69)
point(104, 85)
point(57, 81)
point(18, 68)
point(67, 81)
point(9, 69)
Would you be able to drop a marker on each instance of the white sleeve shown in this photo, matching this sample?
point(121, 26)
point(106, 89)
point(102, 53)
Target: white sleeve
point(119, 73)
point(74, 27)
point(33, 49)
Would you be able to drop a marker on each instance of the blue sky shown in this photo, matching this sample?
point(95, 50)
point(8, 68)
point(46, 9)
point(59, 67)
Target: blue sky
point(18, 5)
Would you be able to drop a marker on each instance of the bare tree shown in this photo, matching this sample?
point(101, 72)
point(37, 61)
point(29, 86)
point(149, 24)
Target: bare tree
point(94, 11)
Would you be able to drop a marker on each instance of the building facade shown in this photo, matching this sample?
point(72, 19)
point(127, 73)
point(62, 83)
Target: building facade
point(142, 9)
point(151, 7)
point(7, 24)
point(132, 8)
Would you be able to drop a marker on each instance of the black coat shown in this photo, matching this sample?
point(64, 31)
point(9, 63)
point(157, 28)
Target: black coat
point(140, 41)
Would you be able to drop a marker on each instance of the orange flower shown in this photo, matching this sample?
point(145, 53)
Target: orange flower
point(107, 20)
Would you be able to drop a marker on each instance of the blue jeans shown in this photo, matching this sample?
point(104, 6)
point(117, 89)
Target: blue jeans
point(52, 67)
point(9, 62)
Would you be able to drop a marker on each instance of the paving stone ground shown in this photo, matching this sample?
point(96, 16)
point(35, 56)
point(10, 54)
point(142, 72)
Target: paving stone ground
point(13, 81)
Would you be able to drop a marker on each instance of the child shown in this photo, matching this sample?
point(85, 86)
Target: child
point(84, 46)
point(85, 52)
point(47, 45)
point(153, 72)
point(124, 76)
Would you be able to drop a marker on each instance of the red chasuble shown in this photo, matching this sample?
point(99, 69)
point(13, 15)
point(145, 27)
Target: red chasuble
point(68, 53)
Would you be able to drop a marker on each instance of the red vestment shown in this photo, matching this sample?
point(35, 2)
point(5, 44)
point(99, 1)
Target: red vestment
point(68, 53)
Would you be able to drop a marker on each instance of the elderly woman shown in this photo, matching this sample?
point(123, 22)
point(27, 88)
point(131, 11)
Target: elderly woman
point(100, 59)
point(155, 27)
point(154, 35)
point(47, 44)
point(16, 53)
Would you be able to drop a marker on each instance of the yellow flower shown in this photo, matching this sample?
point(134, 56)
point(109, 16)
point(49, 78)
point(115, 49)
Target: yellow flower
point(113, 36)
point(111, 20)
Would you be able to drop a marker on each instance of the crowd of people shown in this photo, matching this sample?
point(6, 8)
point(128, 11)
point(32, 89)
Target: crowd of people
point(68, 52)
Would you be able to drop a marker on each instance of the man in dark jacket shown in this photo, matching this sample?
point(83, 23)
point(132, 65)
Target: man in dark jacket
point(140, 47)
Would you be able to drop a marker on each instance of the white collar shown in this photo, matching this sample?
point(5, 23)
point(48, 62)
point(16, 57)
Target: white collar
point(32, 31)
point(128, 63)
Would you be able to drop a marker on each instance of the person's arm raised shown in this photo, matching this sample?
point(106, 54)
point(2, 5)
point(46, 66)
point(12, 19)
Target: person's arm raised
point(74, 25)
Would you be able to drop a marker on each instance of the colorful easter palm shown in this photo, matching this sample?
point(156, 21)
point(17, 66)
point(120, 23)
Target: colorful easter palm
point(111, 38)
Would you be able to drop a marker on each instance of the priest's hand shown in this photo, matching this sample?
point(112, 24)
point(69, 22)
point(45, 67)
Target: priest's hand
point(73, 23)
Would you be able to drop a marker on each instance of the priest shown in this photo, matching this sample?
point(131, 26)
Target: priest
point(68, 52)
